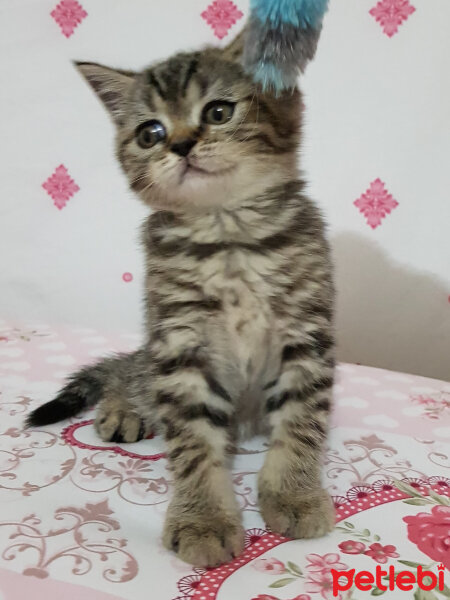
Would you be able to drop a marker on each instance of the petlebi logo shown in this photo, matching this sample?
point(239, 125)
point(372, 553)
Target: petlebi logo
point(429, 531)
point(363, 563)
point(391, 579)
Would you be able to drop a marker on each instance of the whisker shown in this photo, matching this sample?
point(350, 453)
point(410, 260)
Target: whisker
point(243, 118)
point(140, 178)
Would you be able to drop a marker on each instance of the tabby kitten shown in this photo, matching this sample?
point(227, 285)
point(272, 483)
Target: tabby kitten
point(239, 300)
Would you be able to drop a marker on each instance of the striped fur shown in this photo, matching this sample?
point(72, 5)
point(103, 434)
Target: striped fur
point(239, 304)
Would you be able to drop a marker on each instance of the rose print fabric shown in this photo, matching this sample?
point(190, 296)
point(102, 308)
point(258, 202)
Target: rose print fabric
point(375, 151)
point(80, 517)
point(431, 533)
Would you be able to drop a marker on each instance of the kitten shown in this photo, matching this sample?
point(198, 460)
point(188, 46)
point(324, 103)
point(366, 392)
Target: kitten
point(239, 300)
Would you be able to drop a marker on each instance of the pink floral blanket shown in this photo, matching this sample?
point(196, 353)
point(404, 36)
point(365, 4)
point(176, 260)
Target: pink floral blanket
point(82, 519)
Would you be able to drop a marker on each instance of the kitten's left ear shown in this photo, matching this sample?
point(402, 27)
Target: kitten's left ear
point(235, 49)
point(111, 86)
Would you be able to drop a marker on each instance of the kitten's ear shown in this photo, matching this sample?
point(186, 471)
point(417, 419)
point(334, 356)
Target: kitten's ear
point(111, 86)
point(235, 49)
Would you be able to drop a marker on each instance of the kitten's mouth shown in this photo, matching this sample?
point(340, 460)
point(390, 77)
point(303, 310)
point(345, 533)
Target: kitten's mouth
point(190, 169)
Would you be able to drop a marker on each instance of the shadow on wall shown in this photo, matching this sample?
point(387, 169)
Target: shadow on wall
point(388, 315)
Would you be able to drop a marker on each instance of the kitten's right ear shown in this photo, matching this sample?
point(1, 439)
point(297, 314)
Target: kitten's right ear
point(111, 86)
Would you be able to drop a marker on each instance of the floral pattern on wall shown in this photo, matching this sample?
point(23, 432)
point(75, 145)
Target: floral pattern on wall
point(60, 186)
point(68, 14)
point(390, 14)
point(221, 15)
point(381, 164)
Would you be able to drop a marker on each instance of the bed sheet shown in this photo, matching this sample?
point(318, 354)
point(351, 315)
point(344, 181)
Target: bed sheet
point(82, 519)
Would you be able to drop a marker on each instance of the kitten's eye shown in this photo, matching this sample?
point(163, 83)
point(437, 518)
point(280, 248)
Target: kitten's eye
point(150, 133)
point(218, 112)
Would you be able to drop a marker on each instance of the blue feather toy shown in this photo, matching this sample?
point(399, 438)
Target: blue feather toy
point(281, 39)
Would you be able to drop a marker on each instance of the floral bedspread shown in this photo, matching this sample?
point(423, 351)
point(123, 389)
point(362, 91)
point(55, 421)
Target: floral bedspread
point(82, 519)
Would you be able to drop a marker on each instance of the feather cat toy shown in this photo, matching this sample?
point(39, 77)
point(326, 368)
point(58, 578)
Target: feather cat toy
point(281, 39)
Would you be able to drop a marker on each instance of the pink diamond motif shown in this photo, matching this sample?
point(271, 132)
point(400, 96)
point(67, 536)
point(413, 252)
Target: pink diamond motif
point(68, 14)
point(376, 203)
point(390, 14)
point(221, 15)
point(60, 186)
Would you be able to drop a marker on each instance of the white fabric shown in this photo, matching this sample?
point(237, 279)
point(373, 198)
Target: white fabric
point(81, 519)
point(376, 107)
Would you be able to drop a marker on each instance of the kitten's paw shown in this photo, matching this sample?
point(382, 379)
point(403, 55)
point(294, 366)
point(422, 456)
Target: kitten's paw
point(204, 541)
point(298, 516)
point(114, 424)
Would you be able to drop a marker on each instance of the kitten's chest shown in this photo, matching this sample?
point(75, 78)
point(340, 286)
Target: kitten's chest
point(246, 331)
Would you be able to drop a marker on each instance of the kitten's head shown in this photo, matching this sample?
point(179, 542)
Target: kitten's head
point(194, 131)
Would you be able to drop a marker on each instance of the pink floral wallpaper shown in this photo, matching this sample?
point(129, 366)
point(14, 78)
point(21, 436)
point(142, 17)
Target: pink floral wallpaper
point(390, 14)
point(374, 153)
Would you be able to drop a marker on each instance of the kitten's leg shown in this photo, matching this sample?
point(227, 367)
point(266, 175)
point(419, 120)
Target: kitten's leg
point(118, 385)
point(292, 500)
point(203, 522)
point(124, 412)
point(117, 421)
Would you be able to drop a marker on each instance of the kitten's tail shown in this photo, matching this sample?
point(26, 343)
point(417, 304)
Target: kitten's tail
point(84, 389)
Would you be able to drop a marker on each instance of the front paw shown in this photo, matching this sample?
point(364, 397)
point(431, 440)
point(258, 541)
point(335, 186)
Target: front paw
point(204, 540)
point(297, 515)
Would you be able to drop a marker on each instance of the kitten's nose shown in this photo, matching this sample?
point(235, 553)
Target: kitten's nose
point(183, 147)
